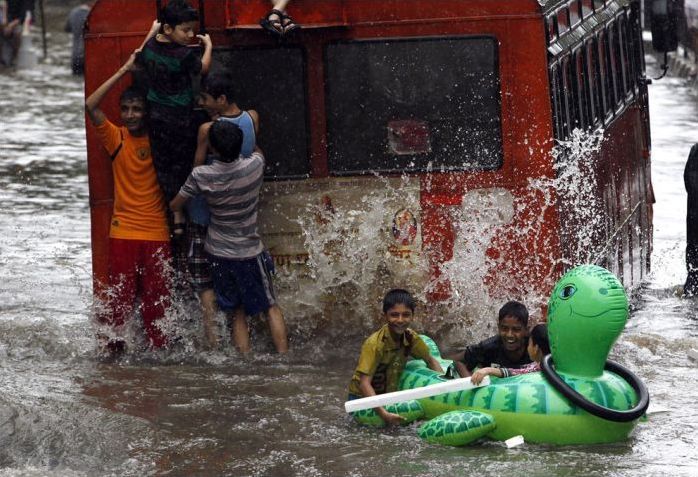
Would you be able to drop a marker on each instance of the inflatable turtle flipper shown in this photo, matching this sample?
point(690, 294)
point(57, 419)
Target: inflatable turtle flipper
point(409, 410)
point(457, 428)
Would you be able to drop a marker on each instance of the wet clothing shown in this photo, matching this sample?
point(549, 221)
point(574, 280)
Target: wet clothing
point(197, 209)
point(249, 136)
point(173, 143)
point(75, 25)
point(384, 360)
point(138, 268)
point(170, 69)
point(490, 352)
point(197, 258)
point(529, 368)
point(232, 191)
point(139, 208)
point(139, 249)
point(170, 72)
point(245, 283)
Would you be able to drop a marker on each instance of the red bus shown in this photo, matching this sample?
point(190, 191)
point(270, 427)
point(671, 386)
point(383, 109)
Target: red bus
point(469, 150)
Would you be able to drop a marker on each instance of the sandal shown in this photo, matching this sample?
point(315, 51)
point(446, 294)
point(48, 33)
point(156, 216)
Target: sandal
point(273, 25)
point(288, 25)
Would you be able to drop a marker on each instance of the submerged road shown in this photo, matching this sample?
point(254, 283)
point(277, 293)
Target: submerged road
point(195, 413)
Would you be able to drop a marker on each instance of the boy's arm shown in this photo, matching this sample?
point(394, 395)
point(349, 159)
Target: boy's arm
point(421, 351)
point(434, 365)
point(472, 357)
point(202, 144)
point(177, 204)
point(462, 369)
point(154, 29)
point(255, 120)
point(480, 374)
point(208, 49)
point(367, 390)
point(95, 114)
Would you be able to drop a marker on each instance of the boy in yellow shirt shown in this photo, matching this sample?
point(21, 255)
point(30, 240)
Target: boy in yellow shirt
point(385, 352)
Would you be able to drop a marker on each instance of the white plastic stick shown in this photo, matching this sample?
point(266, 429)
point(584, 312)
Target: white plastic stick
point(408, 394)
point(654, 409)
point(514, 441)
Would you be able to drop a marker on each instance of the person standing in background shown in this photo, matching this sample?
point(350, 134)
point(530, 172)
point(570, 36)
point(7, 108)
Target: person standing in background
point(75, 24)
point(12, 24)
point(3, 13)
point(6, 28)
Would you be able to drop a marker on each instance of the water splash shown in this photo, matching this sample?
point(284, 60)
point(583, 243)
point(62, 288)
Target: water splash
point(353, 255)
point(352, 261)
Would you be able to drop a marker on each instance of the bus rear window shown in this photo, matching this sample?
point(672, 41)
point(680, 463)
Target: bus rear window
point(282, 110)
point(413, 105)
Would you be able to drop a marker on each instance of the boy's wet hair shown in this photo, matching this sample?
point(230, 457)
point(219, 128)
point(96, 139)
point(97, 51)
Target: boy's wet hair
point(177, 12)
point(132, 93)
point(226, 138)
point(515, 309)
point(539, 335)
point(219, 83)
point(398, 296)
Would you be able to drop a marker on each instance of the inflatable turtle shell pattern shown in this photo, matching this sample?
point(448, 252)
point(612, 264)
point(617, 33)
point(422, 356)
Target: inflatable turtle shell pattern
point(587, 306)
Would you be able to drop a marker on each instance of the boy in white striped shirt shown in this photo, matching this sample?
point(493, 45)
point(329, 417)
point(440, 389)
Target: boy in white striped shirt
point(241, 279)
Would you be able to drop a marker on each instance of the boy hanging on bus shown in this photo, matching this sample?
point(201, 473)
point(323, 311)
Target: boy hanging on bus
point(385, 352)
point(241, 277)
point(139, 249)
point(507, 349)
point(277, 21)
point(217, 97)
point(171, 67)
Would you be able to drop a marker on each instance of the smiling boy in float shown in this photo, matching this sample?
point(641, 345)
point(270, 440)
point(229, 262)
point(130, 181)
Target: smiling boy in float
point(507, 349)
point(241, 277)
point(217, 97)
point(170, 72)
point(139, 249)
point(538, 348)
point(385, 352)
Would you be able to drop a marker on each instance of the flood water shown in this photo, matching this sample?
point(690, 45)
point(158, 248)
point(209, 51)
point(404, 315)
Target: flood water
point(64, 413)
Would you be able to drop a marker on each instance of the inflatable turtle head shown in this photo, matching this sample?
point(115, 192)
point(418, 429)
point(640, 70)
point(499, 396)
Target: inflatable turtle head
point(587, 311)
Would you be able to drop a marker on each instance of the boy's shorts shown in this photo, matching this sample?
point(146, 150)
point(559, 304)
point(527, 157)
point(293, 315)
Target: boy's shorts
point(245, 283)
point(197, 258)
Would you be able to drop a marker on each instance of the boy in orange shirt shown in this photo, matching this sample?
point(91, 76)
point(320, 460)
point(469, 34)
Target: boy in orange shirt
point(139, 239)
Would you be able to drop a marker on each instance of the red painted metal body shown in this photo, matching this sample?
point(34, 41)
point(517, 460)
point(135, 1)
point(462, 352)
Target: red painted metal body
point(518, 266)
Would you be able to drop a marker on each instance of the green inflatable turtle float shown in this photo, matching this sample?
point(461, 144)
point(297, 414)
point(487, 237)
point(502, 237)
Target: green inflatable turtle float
point(578, 398)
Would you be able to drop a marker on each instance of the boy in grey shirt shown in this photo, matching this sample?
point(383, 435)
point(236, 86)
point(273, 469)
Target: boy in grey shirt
point(241, 279)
